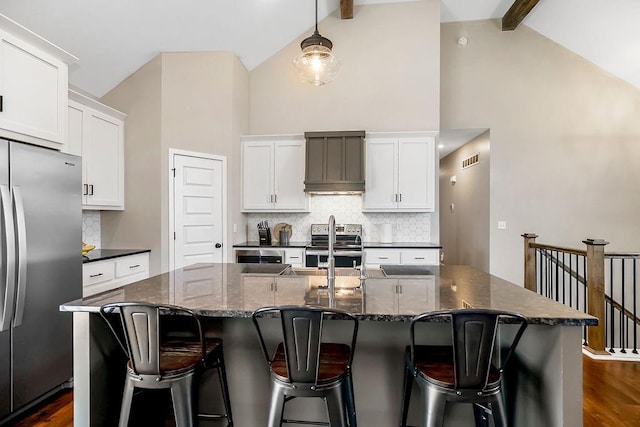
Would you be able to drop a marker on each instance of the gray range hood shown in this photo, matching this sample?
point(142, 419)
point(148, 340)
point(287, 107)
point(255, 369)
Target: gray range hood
point(334, 162)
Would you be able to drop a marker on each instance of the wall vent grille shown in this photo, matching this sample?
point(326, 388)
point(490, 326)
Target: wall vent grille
point(471, 161)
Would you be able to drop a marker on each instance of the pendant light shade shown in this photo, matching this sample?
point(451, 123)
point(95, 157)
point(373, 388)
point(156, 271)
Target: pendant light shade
point(316, 64)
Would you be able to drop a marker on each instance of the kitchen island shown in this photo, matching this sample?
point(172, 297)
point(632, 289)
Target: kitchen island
point(545, 385)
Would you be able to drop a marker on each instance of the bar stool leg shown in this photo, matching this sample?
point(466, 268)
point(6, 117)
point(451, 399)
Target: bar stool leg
point(222, 376)
point(336, 407)
point(277, 406)
point(351, 402)
point(434, 405)
point(406, 394)
point(182, 397)
point(127, 397)
point(481, 417)
point(498, 410)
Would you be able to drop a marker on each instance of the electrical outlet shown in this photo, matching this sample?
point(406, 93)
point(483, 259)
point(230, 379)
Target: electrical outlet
point(502, 225)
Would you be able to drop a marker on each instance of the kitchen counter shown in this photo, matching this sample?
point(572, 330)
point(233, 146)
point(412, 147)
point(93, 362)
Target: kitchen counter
point(547, 367)
point(102, 254)
point(449, 287)
point(402, 245)
point(275, 245)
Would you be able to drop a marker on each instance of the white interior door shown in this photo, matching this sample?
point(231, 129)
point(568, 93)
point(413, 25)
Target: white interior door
point(198, 208)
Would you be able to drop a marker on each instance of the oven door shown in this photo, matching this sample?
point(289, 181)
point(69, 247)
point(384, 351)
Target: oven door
point(342, 258)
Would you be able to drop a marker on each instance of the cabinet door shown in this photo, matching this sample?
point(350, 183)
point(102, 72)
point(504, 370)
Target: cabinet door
point(289, 165)
point(380, 191)
point(290, 290)
point(33, 86)
point(417, 296)
point(103, 159)
point(380, 296)
point(257, 175)
point(416, 174)
point(257, 292)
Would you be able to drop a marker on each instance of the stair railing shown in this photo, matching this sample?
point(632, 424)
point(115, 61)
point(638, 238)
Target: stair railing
point(601, 284)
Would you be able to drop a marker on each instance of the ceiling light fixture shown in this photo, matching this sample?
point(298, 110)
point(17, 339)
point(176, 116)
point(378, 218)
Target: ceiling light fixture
point(316, 64)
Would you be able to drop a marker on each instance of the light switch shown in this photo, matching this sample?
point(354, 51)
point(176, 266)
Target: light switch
point(502, 225)
point(235, 228)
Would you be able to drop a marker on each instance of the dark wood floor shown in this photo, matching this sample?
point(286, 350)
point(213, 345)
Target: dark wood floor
point(611, 398)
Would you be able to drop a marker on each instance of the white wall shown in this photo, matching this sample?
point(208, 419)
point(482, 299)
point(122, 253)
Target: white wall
point(565, 136)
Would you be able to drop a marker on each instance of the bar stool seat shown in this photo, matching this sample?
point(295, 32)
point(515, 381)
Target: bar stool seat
point(334, 362)
point(156, 361)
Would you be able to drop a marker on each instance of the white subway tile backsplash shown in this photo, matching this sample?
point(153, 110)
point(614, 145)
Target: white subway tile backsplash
point(406, 227)
point(91, 228)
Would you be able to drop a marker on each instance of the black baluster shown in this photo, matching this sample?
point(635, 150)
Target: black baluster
point(623, 323)
point(557, 281)
point(564, 275)
point(584, 297)
point(635, 323)
point(611, 313)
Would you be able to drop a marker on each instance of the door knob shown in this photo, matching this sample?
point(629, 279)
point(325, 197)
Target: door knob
point(218, 245)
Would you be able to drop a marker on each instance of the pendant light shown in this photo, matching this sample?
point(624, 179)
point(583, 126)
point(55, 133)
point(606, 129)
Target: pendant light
point(316, 64)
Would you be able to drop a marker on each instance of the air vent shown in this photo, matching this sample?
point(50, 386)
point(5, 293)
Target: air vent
point(471, 161)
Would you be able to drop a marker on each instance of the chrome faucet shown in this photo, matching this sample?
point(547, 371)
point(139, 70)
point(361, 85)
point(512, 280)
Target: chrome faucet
point(331, 261)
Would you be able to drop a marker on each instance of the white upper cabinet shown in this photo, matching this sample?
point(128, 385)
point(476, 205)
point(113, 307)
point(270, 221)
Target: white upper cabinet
point(400, 173)
point(33, 87)
point(96, 132)
point(273, 174)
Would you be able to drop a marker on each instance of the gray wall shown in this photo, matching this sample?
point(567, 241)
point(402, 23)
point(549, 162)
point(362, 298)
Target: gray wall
point(565, 137)
point(188, 101)
point(464, 231)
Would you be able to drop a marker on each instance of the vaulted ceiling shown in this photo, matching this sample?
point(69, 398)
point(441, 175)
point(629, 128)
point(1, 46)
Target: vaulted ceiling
point(114, 38)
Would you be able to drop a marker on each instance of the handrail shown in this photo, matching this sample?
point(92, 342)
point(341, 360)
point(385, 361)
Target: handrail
point(558, 248)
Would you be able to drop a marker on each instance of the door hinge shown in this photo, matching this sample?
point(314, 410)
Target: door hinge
point(174, 235)
point(174, 172)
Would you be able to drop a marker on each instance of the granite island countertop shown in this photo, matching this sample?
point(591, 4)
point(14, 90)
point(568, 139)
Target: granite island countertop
point(102, 254)
point(236, 290)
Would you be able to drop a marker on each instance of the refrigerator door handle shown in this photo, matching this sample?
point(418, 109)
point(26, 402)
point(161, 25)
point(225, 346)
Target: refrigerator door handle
point(22, 255)
point(8, 294)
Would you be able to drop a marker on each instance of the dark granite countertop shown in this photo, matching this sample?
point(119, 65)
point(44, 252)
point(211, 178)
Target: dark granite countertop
point(235, 290)
point(256, 244)
point(402, 245)
point(102, 254)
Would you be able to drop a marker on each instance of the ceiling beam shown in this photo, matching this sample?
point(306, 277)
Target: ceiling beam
point(516, 13)
point(346, 9)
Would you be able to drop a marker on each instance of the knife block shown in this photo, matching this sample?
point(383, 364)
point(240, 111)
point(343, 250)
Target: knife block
point(265, 236)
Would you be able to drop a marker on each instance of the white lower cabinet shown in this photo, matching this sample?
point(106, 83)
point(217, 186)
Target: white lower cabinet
point(410, 296)
point(294, 256)
point(376, 256)
point(260, 291)
point(102, 276)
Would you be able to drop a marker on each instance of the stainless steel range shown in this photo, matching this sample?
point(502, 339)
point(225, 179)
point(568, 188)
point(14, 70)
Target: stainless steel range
point(347, 249)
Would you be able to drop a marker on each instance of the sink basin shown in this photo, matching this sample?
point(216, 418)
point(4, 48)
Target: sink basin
point(406, 270)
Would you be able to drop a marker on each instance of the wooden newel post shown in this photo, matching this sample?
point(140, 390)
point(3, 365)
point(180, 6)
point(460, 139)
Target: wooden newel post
point(595, 294)
point(529, 261)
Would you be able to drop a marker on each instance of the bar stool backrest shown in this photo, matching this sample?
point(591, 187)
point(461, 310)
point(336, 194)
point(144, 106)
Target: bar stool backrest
point(473, 338)
point(141, 327)
point(302, 338)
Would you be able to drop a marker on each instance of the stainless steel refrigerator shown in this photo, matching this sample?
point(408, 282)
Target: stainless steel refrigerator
point(40, 242)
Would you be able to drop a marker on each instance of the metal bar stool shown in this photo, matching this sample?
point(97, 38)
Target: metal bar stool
point(304, 366)
point(158, 362)
point(463, 371)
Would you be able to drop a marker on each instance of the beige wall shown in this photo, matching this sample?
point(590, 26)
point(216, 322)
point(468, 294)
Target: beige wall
point(564, 139)
point(138, 225)
point(389, 79)
point(201, 102)
point(464, 230)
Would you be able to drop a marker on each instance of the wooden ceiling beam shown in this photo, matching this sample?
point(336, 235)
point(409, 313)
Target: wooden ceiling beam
point(516, 13)
point(346, 9)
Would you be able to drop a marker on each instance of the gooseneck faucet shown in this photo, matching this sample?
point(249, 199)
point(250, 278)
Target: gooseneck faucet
point(331, 261)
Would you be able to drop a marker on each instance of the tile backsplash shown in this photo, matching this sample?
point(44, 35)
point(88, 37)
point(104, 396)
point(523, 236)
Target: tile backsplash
point(406, 227)
point(91, 228)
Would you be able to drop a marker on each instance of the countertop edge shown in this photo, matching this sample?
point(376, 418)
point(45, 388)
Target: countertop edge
point(116, 254)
